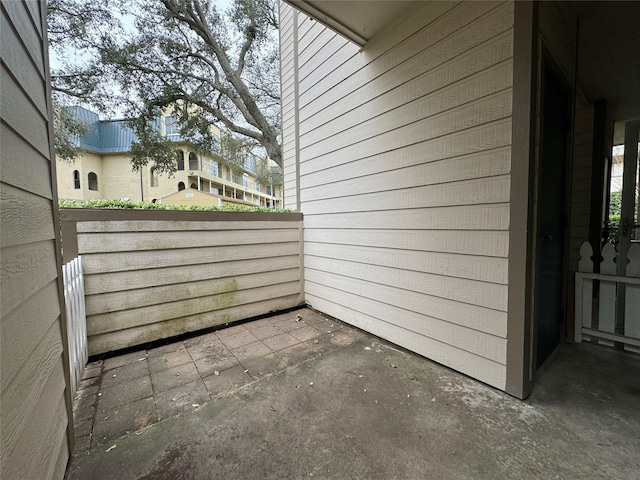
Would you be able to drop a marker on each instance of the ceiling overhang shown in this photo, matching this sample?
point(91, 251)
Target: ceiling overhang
point(608, 65)
point(357, 21)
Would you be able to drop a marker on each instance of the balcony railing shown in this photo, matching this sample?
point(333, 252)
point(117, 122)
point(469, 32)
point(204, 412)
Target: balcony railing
point(152, 274)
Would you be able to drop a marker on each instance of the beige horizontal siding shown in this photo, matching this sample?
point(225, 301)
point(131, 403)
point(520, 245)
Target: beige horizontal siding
point(453, 33)
point(404, 173)
point(469, 217)
point(103, 282)
point(288, 66)
point(473, 140)
point(458, 266)
point(475, 366)
point(176, 240)
point(404, 178)
point(177, 326)
point(227, 293)
point(150, 279)
point(36, 407)
point(481, 243)
point(482, 294)
point(105, 303)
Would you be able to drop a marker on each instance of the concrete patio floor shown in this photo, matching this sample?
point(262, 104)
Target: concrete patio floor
point(287, 398)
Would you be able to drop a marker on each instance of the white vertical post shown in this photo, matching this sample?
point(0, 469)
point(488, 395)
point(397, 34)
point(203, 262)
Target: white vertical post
point(584, 292)
point(632, 297)
point(607, 316)
point(76, 318)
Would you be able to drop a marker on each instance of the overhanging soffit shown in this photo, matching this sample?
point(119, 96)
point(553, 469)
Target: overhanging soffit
point(359, 21)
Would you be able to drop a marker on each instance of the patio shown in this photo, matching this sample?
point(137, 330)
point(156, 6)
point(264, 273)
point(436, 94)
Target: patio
point(302, 395)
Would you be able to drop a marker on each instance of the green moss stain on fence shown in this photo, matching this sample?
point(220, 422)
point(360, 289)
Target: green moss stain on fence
point(226, 294)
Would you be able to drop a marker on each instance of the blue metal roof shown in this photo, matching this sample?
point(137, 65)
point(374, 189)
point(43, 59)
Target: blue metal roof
point(115, 136)
point(108, 136)
point(104, 136)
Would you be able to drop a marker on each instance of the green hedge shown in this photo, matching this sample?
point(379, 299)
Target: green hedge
point(614, 228)
point(121, 204)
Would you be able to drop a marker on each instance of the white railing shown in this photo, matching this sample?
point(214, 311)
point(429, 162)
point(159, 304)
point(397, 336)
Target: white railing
point(76, 319)
point(606, 320)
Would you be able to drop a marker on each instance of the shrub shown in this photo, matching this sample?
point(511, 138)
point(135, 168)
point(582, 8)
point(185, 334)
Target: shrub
point(614, 228)
point(125, 204)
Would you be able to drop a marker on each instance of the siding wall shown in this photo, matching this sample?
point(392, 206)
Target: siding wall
point(151, 275)
point(288, 67)
point(404, 161)
point(581, 181)
point(34, 404)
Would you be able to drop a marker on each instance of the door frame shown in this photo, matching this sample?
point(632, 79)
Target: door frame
point(549, 66)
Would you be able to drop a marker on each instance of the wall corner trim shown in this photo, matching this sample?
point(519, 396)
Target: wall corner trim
point(518, 378)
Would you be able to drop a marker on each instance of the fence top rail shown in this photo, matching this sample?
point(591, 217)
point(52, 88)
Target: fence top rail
point(608, 278)
point(104, 214)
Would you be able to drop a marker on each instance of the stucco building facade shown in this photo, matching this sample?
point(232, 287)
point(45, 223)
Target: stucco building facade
point(103, 170)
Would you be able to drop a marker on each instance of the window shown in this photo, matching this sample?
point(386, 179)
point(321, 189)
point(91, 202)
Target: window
point(76, 179)
point(193, 161)
point(213, 168)
point(250, 162)
point(244, 179)
point(194, 186)
point(170, 125)
point(180, 159)
point(93, 181)
point(154, 177)
point(180, 186)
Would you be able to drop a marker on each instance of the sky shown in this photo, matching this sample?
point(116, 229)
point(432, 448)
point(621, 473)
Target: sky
point(127, 21)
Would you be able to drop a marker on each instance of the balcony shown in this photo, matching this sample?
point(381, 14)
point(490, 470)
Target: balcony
point(230, 185)
point(188, 358)
point(208, 269)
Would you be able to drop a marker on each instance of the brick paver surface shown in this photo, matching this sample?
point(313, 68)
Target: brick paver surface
point(124, 393)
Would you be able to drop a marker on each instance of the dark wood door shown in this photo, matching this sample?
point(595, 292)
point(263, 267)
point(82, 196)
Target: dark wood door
point(550, 241)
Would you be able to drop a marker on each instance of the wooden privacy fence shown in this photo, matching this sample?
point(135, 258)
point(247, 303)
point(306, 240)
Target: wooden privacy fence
point(613, 315)
point(76, 318)
point(153, 274)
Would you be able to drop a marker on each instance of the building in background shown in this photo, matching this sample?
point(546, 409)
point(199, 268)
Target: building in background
point(103, 170)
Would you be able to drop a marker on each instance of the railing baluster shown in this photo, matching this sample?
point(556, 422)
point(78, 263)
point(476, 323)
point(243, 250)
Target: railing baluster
point(584, 291)
point(632, 297)
point(607, 315)
point(76, 319)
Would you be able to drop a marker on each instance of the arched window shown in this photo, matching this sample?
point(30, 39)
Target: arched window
point(193, 185)
point(180, 159)
point(76, 179)
point(93, 181)
point(154, 177)
point(180, 186)
point(193, 161)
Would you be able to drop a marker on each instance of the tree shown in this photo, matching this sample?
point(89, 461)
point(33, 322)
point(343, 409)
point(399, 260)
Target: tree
point(146, 57)
point(67, 127)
